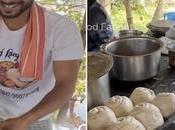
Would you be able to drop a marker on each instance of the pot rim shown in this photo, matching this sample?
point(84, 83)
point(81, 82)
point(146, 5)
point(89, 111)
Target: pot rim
point(130, 32)
point(110, 65)
point(103, 47)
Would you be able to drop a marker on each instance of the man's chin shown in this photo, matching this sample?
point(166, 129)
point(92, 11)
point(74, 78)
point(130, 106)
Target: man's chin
point(10, 16)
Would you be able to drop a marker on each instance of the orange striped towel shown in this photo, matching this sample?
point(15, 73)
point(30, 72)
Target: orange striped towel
point(32, 51)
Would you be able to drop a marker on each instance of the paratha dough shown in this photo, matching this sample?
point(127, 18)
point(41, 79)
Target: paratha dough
point(149, 115)
point(166, 103)
point(141, 95)
point(100, 117)
point(121, 105)
point(126, 123)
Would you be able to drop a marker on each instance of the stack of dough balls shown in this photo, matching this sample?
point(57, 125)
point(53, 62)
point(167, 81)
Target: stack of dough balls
point(149, 115)
point(126, 123)
point(166, 103)
point(119, 112)
point(121, 105)
point(100, 117)
point(141, 95)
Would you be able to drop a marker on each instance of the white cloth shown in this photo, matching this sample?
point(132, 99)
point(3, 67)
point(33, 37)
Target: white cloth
point(63, 42)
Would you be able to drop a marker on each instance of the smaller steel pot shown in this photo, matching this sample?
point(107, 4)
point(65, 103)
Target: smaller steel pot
point(99, 65)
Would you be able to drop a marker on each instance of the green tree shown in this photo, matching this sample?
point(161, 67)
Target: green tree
point(143, 11)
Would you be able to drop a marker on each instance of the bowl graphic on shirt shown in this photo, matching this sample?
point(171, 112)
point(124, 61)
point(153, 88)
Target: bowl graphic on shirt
point(10, 76)
point(4, 66)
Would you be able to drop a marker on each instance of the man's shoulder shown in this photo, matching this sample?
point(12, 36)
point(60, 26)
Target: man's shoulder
point(57, 19)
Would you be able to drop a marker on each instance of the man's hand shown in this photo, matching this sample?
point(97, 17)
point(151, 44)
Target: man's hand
point(14, 124)
point(65, 75)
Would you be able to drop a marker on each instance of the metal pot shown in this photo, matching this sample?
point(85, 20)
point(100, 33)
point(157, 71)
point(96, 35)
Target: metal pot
point(99, 65)
point(135, 58)
point(155, 31)
point(129, 33)
point(159, 27)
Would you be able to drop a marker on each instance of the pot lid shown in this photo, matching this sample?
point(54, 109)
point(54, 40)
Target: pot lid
point(160, 25)
point(98, 64)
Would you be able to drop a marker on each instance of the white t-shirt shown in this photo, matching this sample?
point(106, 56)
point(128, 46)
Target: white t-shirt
point(62, 42)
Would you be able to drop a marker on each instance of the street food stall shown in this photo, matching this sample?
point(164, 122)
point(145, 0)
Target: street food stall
point(140, 60)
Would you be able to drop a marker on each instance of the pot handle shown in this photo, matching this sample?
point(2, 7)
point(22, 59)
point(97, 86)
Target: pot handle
point(102, 48)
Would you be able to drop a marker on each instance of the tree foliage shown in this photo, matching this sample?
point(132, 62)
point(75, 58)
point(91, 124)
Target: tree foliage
point(143, 11)
point(75, 9)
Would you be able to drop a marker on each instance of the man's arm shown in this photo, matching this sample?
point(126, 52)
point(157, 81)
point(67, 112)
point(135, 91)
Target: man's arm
point(66, 75)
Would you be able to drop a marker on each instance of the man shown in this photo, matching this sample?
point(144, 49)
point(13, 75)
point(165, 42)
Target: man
point(99, 25)
point(39, 61)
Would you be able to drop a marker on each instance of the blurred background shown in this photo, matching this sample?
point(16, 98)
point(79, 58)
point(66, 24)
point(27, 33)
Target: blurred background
point(142, 10)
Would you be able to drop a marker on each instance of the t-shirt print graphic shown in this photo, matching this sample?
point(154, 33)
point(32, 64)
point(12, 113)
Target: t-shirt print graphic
point(10, 76)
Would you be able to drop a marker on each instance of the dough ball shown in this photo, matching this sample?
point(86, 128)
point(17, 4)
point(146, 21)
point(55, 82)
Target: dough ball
point(100, 117)
point(141, 95)
point(121, 105)
point(166, 103)
point(149, 115)
point(126, 123)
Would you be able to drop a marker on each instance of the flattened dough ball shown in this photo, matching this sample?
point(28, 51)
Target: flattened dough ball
point(149, 115)
point(166, 103)
point(121, 105)
point(141, 95)
point(100, 117)
point(126, 123)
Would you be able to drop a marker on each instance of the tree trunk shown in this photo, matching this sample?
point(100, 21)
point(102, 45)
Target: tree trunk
point(147, 2)
point(129, 16)
point(159, 11)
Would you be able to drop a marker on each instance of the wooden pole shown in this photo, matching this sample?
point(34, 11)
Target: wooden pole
point(129, 16)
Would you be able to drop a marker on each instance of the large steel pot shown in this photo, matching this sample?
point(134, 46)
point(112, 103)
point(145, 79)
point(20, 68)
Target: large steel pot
point(99, 65)
point(135, 58)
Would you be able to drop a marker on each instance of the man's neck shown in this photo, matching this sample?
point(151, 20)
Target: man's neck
point(18, 22)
